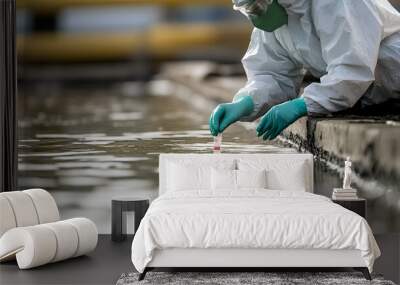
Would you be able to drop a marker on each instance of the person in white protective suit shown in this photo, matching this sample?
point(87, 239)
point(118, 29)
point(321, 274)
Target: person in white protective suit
point(353, 46)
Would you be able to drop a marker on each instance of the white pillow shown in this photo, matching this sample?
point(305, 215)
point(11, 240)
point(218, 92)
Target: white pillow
point(251, 179)
point(281, 174)
point(223, 179)
point(292, 177)
point(188, 177)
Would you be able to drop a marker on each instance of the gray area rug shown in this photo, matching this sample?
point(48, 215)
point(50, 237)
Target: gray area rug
point(244, 278)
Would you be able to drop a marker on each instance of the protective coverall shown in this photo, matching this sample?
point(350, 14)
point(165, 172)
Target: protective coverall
point(352, 46)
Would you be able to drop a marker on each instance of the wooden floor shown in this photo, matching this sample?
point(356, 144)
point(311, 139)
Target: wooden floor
point(111, 259)
point(103, 266)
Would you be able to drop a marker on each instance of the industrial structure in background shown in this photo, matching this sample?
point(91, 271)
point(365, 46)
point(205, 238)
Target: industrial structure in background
point(124, 39)
point(99, 30)
point(103, 30)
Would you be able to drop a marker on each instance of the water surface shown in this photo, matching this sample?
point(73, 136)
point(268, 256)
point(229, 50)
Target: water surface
point(86, 145)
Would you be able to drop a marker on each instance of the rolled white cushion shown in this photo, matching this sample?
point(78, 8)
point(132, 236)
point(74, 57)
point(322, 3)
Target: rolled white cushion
point(23, 208)
point(87, 235)
point(37, 245)
point(7, 218)
point(67, 240)
point(45, 205)
point(33, 246)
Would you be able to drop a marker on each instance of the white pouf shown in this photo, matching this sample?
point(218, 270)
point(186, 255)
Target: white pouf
point(31, 233)
point(23, 208)
point(7, 220)
point(46, 207)
point(67, 239)
point(87, 233)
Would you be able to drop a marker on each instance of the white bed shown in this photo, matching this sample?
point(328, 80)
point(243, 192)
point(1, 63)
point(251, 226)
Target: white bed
point(203, 220)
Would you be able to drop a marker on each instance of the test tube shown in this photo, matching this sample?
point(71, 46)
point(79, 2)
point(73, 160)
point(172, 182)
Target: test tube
point(217, 143)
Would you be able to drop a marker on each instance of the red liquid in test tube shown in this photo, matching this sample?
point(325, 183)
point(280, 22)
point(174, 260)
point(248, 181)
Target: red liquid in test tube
point(217, 143)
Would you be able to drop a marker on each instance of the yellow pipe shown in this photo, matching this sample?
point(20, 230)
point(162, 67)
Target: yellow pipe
point(51, 6)
point(162, 41)
point(77, 47)
point(169, 40)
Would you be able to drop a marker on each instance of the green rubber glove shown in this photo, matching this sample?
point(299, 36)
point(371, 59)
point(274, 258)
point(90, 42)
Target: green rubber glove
point(228, 113)
point(280, 117)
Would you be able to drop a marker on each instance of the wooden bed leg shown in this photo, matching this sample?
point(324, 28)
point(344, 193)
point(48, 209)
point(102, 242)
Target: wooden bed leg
point(365, 272)
point(143, 274)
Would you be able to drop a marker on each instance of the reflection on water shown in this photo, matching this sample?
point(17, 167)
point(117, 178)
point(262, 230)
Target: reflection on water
point(87, 145)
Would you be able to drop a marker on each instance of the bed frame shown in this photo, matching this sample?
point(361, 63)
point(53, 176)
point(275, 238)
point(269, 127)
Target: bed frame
point(249, 259)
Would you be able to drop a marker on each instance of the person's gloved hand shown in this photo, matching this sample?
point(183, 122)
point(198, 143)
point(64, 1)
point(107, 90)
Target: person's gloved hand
point(280, 117)
point(228, 113)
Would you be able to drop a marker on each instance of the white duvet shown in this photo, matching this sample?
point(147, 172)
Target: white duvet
point(250, 219)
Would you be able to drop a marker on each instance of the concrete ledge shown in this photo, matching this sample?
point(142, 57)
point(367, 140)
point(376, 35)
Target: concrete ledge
point(374, 146)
